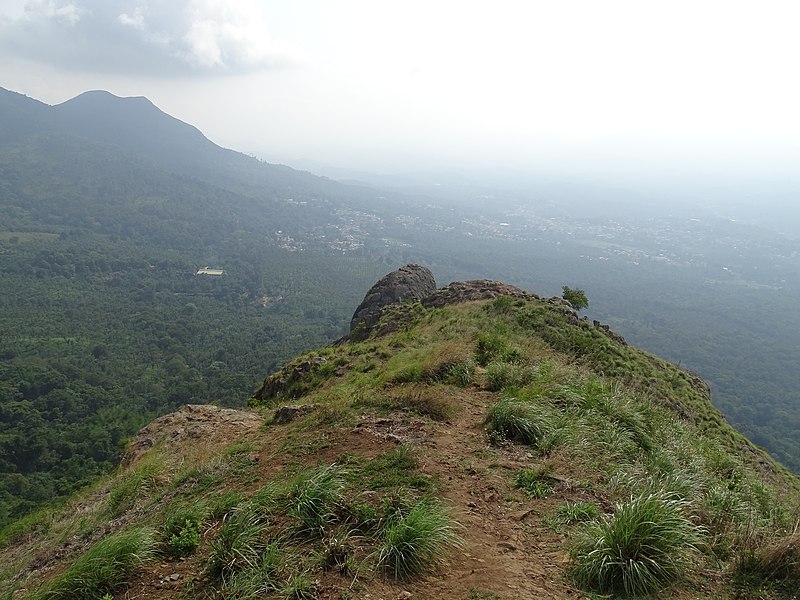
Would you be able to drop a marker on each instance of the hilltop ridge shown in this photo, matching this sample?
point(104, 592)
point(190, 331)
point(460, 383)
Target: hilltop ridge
point(476, 449)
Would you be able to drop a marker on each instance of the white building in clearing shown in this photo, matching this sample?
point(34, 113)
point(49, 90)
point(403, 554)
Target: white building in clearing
point(208, 271)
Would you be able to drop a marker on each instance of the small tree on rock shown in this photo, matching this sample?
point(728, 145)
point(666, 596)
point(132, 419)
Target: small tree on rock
point(577, 298)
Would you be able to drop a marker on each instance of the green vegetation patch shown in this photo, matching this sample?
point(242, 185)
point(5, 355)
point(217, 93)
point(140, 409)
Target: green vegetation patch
point(645, 546)
point(415, 539)
point(102, 568)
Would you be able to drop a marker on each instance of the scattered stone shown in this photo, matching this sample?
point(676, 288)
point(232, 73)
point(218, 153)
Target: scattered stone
point(507, 546)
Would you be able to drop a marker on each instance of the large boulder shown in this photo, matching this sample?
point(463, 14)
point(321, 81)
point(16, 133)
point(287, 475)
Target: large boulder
point(411, 283)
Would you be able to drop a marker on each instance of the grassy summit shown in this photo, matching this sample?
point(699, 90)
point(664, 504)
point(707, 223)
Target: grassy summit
point(488, 449)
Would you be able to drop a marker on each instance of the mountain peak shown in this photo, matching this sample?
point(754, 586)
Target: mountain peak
point(105, 97)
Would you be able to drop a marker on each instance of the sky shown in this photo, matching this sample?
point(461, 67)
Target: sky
point(600, 86)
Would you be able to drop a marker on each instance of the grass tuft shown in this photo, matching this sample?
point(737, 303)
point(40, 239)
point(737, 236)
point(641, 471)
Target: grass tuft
point(102, 568)
point(534, 482)
point(577, 512)
point(416, 540)
point(777, 562)
point(238, 544)
point(643, 547)
point(517, 421)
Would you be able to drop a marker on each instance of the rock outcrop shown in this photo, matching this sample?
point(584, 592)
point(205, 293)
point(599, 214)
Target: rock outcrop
point(410, 283)
point(467, 291)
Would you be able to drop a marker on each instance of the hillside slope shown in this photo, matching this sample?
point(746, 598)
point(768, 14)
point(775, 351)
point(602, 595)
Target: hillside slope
point(475, 445)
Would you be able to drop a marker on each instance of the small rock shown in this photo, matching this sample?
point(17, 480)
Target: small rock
point(508, 546)
point(404, 595)
point(286, 414)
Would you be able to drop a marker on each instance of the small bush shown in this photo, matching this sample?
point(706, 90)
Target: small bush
point(643, 547)
point(517, 421)
point(184, 539)
point(416, 540)
point(103, 567)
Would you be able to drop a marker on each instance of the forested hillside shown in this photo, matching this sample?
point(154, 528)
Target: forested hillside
point(104, 323)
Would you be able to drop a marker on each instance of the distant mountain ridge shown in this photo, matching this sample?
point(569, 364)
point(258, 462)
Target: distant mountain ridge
point(133, 125)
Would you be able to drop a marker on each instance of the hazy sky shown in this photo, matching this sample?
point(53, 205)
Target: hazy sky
point(393, 85)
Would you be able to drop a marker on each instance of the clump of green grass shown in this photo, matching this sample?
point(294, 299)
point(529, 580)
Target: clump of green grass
point(299, 587)
point(534, 482)
point(415, 539)
point(393, 470)
point(338, 552)
point(129, 487)
point(501, 375)
point(643, 547)
point(103, 567)
point(266, 577)
point(577, 512)
point(315, 497)
point(516, 421)
point(495, 347)
point(413, 373)
point(461, 374)
point(238, 543)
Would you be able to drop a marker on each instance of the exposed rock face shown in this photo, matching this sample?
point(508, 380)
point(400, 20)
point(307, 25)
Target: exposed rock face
point(409, 283)
point(467, 291)
point(192, 424)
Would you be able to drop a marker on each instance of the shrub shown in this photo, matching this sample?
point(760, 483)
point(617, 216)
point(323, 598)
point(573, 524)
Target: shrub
point(643, 547)
point(101, 568)
point(517, 421)
point(416, 539)
point(184, 539)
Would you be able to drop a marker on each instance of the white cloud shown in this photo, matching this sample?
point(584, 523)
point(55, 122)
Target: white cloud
point(67, 13)
point(144, 36)
point(135, 20)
